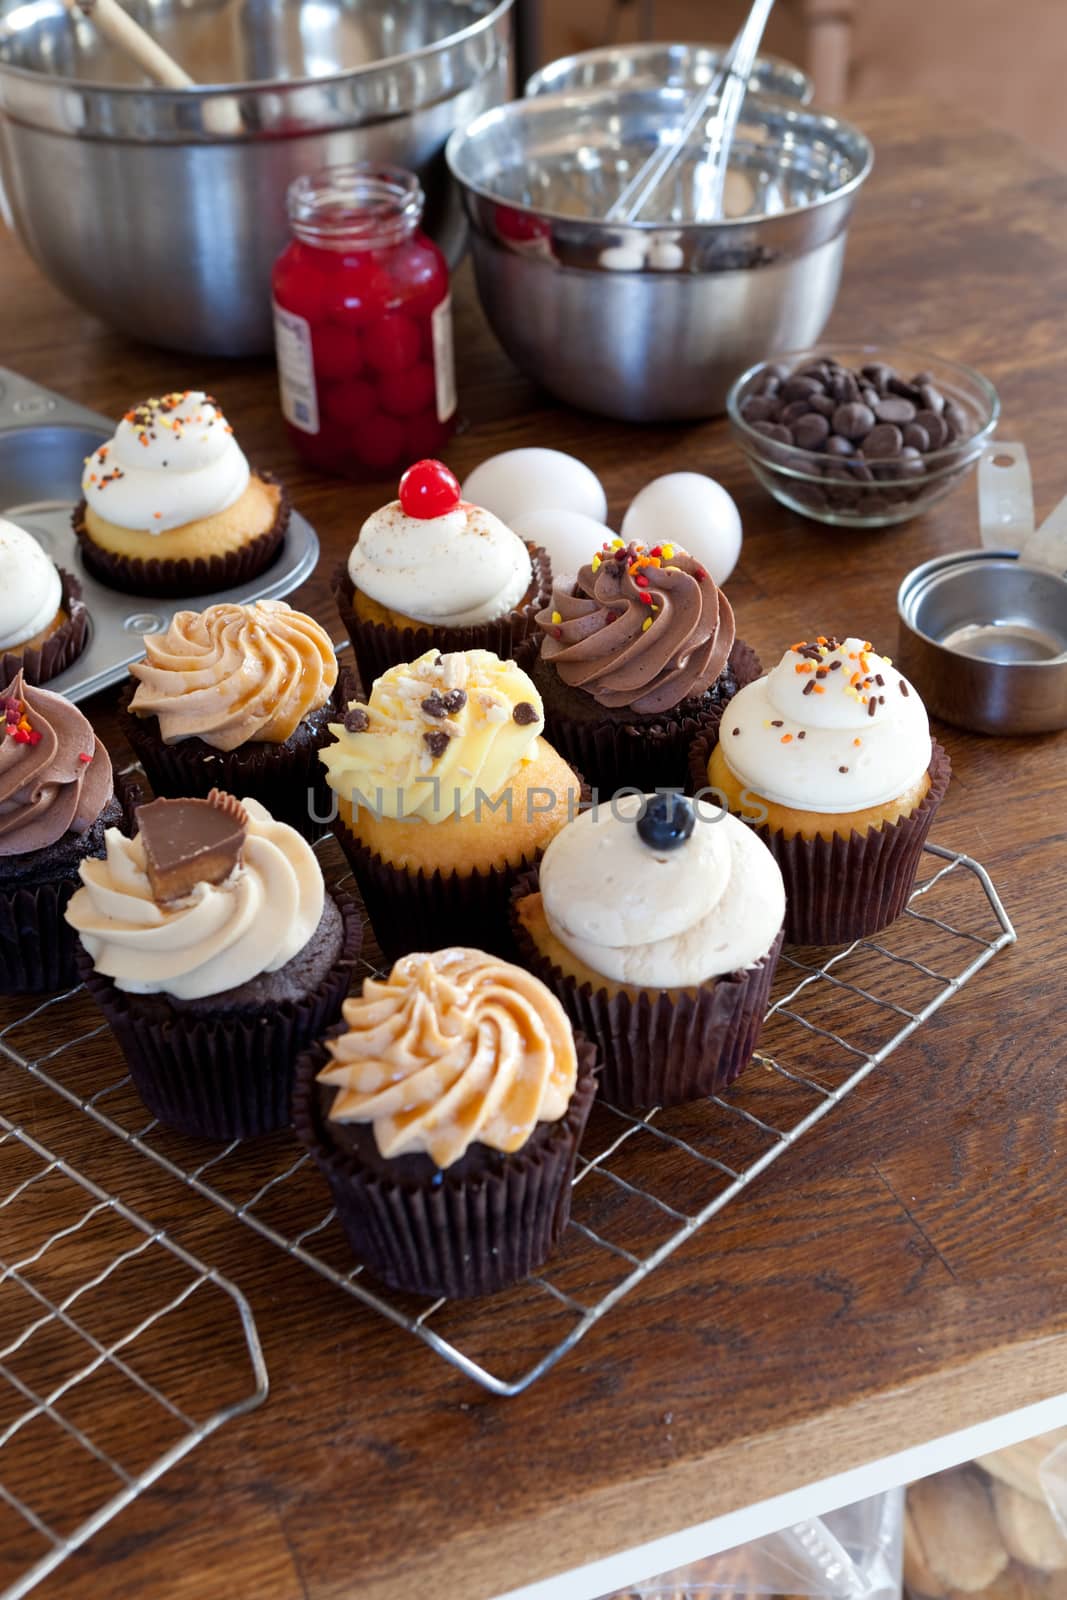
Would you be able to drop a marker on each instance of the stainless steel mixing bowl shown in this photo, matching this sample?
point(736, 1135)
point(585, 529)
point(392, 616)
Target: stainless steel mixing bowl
point(683, 66)
point(162, 210)
point(652, 321)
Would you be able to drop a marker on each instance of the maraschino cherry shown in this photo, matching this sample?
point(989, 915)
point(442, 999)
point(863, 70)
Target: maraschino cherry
point(429, 489)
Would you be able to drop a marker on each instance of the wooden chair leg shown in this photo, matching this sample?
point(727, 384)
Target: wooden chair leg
point(828, 26)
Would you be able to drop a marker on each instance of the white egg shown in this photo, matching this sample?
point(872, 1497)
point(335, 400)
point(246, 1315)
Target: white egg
point(690, 510)
point(570, 537)
point(518, 481)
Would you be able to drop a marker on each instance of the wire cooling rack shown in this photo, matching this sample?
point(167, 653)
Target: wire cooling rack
point(97, 1311)
point(643, 1185)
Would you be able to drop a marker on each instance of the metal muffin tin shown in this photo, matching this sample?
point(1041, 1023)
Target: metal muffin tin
point(44, 440)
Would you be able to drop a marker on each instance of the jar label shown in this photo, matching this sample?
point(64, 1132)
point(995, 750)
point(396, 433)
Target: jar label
point(296, 370)
point(444, 359)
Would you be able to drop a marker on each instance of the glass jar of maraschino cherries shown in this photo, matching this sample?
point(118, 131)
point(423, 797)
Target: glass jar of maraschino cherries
point(363, 323)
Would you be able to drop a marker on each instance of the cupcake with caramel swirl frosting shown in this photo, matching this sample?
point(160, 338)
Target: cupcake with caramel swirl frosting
point(445, 1112)
point(632, 658)
point(237, 698)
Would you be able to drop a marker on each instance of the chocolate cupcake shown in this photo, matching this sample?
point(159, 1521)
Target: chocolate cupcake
point(445, 1113)
point(237, 698)
point(829, 757)
point(214, 951)
point(634, 657)
point(657, 923)
point(43, 622)
point(445, 793)
point(171, 507)
point(429, 571)
point(56, 801)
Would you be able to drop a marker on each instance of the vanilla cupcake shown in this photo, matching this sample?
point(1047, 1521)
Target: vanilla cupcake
point(657, 923)
point(170, 505)
point(830, 758)
point(237, 698)
point(431, 571)
point(445, 791)
point(43, 623)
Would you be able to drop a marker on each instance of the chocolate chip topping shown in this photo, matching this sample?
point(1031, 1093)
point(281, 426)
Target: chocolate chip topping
point(454, 701)
point(356, 720)
point(524, 713)
point(187, 842)
point(433, 705)
point(436, 741)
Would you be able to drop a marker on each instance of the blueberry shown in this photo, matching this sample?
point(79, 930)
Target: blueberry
point(667, 822)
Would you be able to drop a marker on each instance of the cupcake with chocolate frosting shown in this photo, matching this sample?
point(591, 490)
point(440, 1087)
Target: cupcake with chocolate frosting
point(431, 571)
point(170, 505)
point(445, 791)
point(633, 657)
point(445, 1112)
point(213, 949)
point(56, 800)
point(830, 758)
point(657, 923)
point(43, 622)
point(237, 698)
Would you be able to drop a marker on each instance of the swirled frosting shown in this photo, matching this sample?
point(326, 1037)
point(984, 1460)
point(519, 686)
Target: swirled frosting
point(214, 939)
point(661, 919)
point(452, 1049)
point(31, 590)
point(171, 461)
point(55, 777)
point(436, 734)
point(644, 628)
point(833, 728)
point(451, 571)
point(233, 673)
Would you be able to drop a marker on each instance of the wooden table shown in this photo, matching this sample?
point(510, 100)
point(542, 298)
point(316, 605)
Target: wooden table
point(902, 1273)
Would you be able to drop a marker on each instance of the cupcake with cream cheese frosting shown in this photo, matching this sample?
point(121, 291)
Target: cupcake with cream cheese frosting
point(830, 758)
point(431, 571)
point(633, 657)
point(56, 800)
point(445, 1112)
point(445, 791)
point(170, 505)
point(213, 949)
point(43, 620)
point(237, 698)
point(657, 922)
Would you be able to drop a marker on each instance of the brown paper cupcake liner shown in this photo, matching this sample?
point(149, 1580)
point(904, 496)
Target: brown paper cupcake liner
point(660, 1048)
point(461, 1236)
point(635, 755)
point(60, 649)
point(223, 1075)
point(379, 645)
point(837, 890)
point(172, 579)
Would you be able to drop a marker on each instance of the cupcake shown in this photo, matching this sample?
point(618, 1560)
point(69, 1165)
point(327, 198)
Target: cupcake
point(445, 1113)
point(445, 792)
point(43, 622)
point(215, 953)
point(657, 922)
point(171, 507)
point(634, 656)
point(237, 698)
point(56, 800)
point(830, 758)
point(430, 571)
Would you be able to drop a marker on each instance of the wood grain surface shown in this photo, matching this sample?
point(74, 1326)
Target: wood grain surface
point(901, 1273)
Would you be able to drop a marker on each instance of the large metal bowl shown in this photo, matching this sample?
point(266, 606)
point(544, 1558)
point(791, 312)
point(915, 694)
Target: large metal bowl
point(162, 210)
point(653, 321)
point(678, 66)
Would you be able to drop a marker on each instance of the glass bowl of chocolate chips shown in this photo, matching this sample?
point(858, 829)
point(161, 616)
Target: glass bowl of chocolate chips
point(861, 436)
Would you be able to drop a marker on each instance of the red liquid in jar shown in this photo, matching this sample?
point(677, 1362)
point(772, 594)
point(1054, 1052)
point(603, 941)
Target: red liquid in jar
point(363, 324)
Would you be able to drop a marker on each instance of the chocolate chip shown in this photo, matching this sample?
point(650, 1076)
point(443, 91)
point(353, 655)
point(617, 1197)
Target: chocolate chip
point(801, 388)
point(773, 430)
point(356, 720)
point(859, 471)
point(436, 741)
point(853, 420)
point(878, 373)
point(956, 419)
point(894, 409)
point(823, 404)
point(907, 391)
point(931, 397)
point(768, 385)
point(837, 446)
point(869, 396)
point(935, 428)
point(760, 408)
point(916, 437)
point(524, 713)
point(844, 387)
point(885, 440)
point(810, 432)
point(454, 701)
point(433, 705)
point(793, 412)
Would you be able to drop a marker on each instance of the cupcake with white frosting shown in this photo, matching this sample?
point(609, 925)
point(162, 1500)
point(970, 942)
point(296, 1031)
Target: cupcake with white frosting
point(170, 505)
point(215, 952)
point(43, 621)
point(829, 757)
point(430, 570)
point(657, 921)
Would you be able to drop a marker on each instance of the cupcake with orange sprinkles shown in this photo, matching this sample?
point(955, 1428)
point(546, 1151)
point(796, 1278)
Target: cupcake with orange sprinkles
point(830, 758)
point(170, 505)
